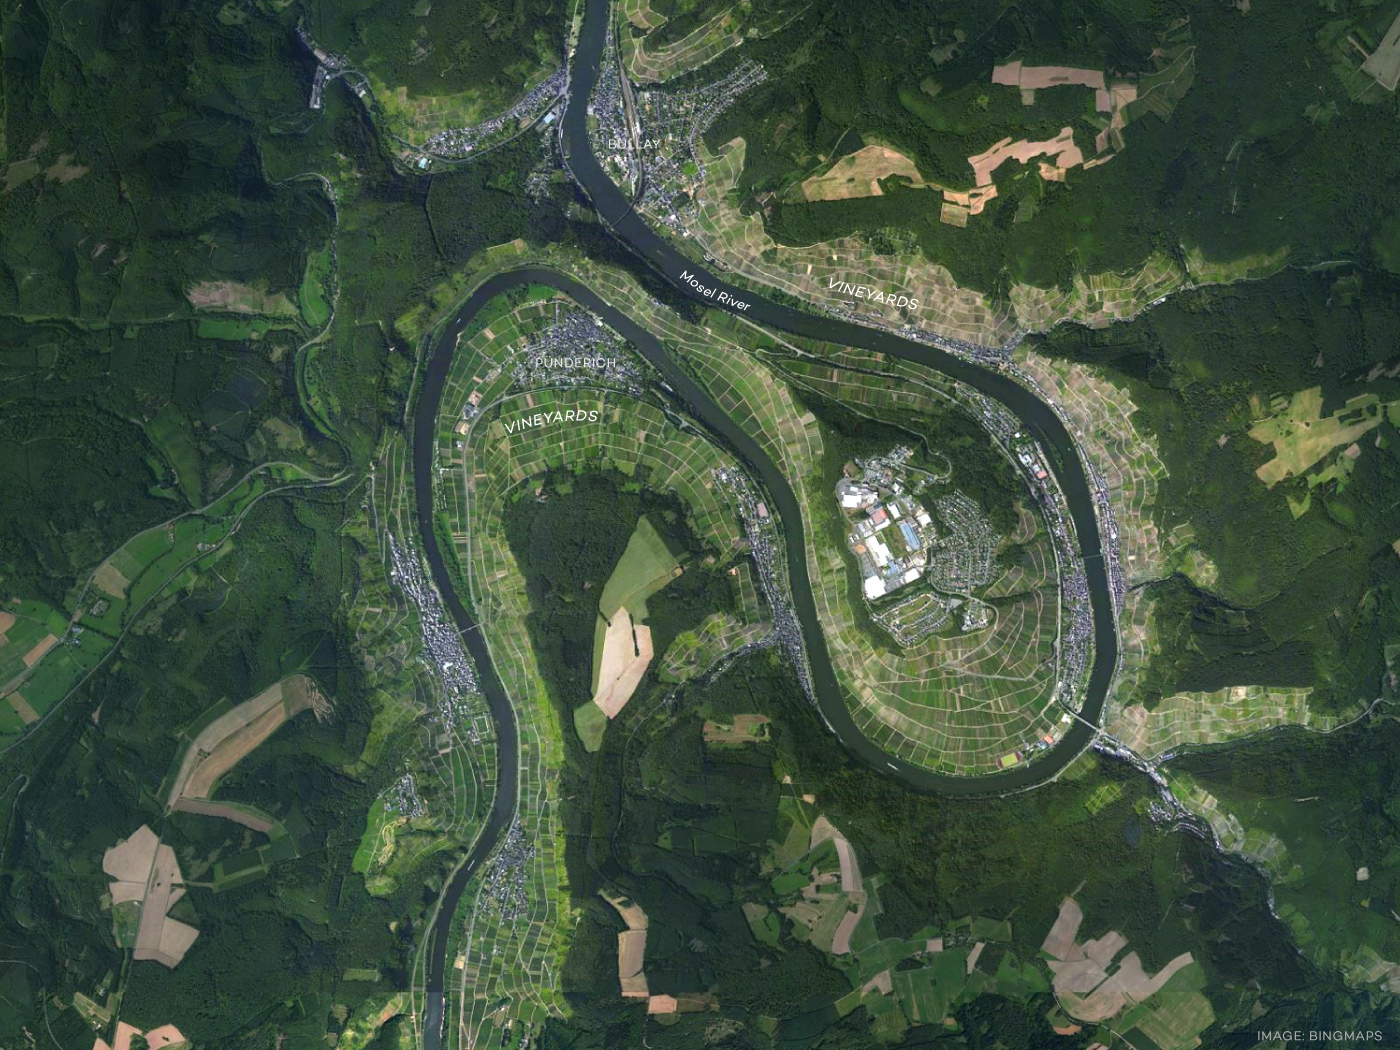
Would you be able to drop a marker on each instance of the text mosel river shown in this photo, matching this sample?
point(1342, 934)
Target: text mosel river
point(1038, 419)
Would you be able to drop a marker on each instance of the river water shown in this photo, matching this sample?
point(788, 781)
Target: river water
point(1035, 416)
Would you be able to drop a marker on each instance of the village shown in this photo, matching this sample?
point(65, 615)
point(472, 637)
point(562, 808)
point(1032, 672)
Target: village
point(896, 543)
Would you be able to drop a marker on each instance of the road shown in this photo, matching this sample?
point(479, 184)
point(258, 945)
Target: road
point(1035, 416)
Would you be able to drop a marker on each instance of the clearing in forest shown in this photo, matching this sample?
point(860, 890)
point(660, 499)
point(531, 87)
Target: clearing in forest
point(146, 884)
point(1062, 148)
point(742, 729)
point(646, 566)
point(1383, 64)
point(1090, 986)
point(631, 947)
point(223, 741)
point(109, 579)
point(858, 175)
point(1302, 436)
point(156, 1039)
point(622, 648)
point(236, 298)
point(624, 659)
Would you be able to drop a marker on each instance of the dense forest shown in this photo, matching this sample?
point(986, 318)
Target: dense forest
point(199, 277)
point(656, 784)
point(566, 567)
point(1278, 142)
point(1308, 592)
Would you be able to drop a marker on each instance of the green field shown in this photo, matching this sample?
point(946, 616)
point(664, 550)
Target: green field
point(647, 565)
point(314, 290)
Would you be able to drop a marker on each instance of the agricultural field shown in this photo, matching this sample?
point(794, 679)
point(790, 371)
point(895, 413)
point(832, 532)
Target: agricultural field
point(225, 735)
point(622, 646)
point(1167, 1007)
point(1302, 436)
point(959, 702)
point(38, 669)
point(859, 174)
point(647, 60)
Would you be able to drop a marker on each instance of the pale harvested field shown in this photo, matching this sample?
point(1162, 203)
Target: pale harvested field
point(109, 580)
point(1081, 977)
point(145, 870)
point(882, 982)
point(631, 953)
point(822, 830)
point(1383, 64)
point(23, 708)
point(42, 646)
point(858, 175)
point(632, 914)
point(7, 620)
point(627, 654)
point(1060, 941)
point(237, 298)
point(631, 947)
point(841, 940)
point(1061, 147)
point(218, 809)
point(165, 1035)
point(131, 859)
point(1028, 78)
point(225, 741)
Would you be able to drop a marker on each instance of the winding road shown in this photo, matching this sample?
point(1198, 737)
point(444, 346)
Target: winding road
point(614, 209)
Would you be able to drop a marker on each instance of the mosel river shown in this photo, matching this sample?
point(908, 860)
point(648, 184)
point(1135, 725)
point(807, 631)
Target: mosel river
point(1036, 417)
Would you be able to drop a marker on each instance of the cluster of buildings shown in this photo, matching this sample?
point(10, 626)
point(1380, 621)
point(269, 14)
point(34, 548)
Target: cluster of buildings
point(330, 66)
point(1075, 644)
point(613, 132)
point(504, 887)
point(667, 117)
point(402, 798)
point(1108, 525)
point(966, 558)
point(577, 349)
point(896, 543)
point(442, 646)
point(889, 532)
point(761, 532)
point(649, 140)
point(536, 105)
